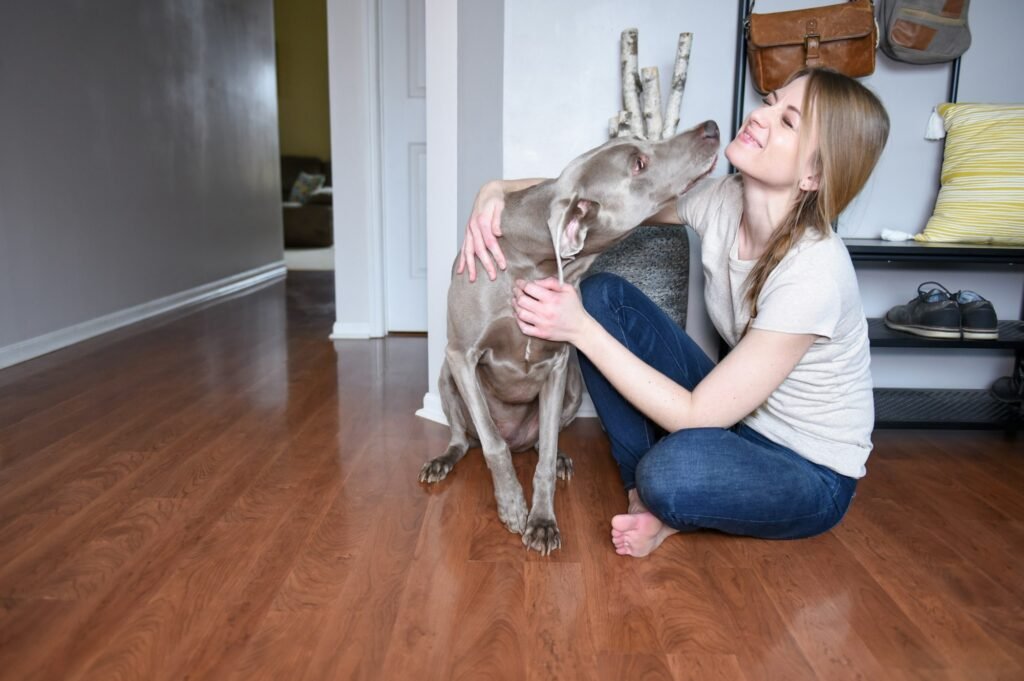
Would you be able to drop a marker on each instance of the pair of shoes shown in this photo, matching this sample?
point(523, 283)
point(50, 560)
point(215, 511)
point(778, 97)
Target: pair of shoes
point(937, 313)
point(1010, 389)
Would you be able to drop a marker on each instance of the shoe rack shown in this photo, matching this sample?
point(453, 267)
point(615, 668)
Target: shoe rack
point(943, 408)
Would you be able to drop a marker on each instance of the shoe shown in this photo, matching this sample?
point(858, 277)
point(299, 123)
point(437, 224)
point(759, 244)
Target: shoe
point(1009, 389)
point(977, 316)
point(934, 313)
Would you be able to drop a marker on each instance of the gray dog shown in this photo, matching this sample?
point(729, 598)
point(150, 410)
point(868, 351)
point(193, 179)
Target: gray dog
point(509, 392)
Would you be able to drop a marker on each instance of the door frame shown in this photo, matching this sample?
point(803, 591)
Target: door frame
point(353, 48)
point(353, 52)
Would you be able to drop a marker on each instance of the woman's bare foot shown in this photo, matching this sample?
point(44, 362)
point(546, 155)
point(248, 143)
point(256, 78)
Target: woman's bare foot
point(639, 531)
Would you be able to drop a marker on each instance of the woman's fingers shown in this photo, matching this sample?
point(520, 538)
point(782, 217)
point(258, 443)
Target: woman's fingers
point(528, 322)
point(479, 247)
point(489, 232)
point(468, 260)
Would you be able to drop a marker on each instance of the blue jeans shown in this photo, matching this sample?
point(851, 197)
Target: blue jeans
point(733, 480)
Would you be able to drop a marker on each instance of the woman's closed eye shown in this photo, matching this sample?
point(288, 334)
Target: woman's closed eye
point(788, 120)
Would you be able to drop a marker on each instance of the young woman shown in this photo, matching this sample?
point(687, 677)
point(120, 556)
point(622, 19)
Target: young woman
point(770, 441)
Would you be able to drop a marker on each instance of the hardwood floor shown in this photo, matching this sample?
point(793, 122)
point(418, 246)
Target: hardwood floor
point(226, 494)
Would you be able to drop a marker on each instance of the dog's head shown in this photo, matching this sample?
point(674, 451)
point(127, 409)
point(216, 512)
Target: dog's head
point(606, 192)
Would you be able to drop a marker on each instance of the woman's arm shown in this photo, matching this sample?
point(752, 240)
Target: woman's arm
point(735, 387)
point(485, 224)
point(738, 385)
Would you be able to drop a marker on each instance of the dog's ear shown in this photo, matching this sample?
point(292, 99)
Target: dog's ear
point(568, 224)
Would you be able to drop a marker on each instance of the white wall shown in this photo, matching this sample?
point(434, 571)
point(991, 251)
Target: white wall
point(443, 134)
point(561, 86)
point(561, 74)
point(355, 148)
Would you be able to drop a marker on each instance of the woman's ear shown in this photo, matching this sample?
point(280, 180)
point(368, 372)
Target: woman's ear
point(809, 183)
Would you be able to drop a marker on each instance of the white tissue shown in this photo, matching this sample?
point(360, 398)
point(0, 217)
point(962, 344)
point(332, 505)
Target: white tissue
point(936, 130)
point(895, 235)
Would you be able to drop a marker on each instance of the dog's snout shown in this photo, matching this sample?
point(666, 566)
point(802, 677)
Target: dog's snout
point(710, 130)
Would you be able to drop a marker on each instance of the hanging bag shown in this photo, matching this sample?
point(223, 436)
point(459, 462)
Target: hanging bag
point(843, 37)
point(924, 31)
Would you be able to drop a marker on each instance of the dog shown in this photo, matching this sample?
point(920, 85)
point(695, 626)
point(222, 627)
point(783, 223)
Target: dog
point(509, 392)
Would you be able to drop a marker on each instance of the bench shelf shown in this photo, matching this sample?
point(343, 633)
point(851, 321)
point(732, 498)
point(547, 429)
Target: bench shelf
point(941, 408)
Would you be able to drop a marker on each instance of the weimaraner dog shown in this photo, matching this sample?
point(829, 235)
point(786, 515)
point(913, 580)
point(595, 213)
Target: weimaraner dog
point(509, 392)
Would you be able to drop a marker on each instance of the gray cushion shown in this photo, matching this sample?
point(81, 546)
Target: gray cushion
point(656, 260)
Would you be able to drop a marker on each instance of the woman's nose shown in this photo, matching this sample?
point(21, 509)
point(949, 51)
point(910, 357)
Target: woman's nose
point(759, 116)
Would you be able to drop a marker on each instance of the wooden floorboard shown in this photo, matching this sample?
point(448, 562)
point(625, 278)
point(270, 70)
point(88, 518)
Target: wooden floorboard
point(227, 494)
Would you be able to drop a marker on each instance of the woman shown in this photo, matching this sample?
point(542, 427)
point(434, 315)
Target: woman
point(770, 441)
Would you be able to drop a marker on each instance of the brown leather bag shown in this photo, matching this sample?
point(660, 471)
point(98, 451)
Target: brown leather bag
point(842, 36)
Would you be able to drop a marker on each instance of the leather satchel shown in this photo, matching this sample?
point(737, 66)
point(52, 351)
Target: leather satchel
point(843, 37)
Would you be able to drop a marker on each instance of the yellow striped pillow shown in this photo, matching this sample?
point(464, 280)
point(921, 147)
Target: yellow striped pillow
point(982, 194)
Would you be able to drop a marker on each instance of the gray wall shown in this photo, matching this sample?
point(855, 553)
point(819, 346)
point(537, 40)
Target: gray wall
point(138, 154)
point(481, 60)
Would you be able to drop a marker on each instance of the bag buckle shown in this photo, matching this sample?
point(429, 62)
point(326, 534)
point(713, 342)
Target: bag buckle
point(812, 43)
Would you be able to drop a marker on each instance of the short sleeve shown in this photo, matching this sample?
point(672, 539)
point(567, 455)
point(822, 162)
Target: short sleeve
point(703, 205)
point(800, 298)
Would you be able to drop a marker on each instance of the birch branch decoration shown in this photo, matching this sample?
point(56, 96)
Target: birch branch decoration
point(642, 88)
point(652, 102)
point(675, 99)
point(630, 81)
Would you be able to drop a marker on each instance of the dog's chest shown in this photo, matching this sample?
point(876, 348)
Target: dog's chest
point(514, 365)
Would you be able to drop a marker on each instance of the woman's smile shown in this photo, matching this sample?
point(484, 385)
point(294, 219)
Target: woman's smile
point(749, 139)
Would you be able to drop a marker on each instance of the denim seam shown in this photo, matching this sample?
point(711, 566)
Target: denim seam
point(744, 520)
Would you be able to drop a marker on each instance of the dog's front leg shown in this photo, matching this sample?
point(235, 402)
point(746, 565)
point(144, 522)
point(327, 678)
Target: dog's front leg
point(541, 529)
point(508, 493)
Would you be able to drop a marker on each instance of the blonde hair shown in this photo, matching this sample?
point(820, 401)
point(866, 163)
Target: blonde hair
point(852, 130)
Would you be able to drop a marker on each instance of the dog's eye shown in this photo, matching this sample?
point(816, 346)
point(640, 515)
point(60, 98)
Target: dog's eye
point(639, 163)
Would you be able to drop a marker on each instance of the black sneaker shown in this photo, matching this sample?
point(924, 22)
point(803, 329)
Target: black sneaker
point(1010, 389)
point(977, 316)
point(934, 313)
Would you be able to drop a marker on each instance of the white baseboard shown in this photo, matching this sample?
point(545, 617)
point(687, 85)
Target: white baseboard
point(432, 410)
point(55, 340)
point(586, 410)
point(352, 331)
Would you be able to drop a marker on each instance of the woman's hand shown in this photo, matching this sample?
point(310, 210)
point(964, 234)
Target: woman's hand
point(549, 310)
point(483, 226)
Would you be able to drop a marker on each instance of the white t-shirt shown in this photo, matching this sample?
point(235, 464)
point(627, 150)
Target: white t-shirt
point(824, 409)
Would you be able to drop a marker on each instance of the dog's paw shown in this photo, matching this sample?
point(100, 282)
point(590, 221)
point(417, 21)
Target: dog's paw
point(564, 468)
point(435, 470)
point(513, 514)
point(542, 535)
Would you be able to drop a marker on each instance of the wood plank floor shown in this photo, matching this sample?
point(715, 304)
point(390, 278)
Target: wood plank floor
point(225, 494)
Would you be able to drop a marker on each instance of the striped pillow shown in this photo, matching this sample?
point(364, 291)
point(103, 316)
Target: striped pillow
point(982, 194)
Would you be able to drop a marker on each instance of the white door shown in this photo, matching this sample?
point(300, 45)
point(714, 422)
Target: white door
point(404, 154)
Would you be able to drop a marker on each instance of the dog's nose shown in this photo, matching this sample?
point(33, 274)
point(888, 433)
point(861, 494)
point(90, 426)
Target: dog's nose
point(710, 130)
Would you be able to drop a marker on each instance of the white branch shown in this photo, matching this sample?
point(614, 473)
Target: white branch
point(652, 102)
point(675, 98)
point(625, 124)
point(630, 81)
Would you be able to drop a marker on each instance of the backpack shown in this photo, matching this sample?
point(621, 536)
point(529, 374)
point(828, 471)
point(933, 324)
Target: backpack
point(923, 31)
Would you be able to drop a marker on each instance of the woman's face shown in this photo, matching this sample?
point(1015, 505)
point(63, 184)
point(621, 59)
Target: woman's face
point(768, 146)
